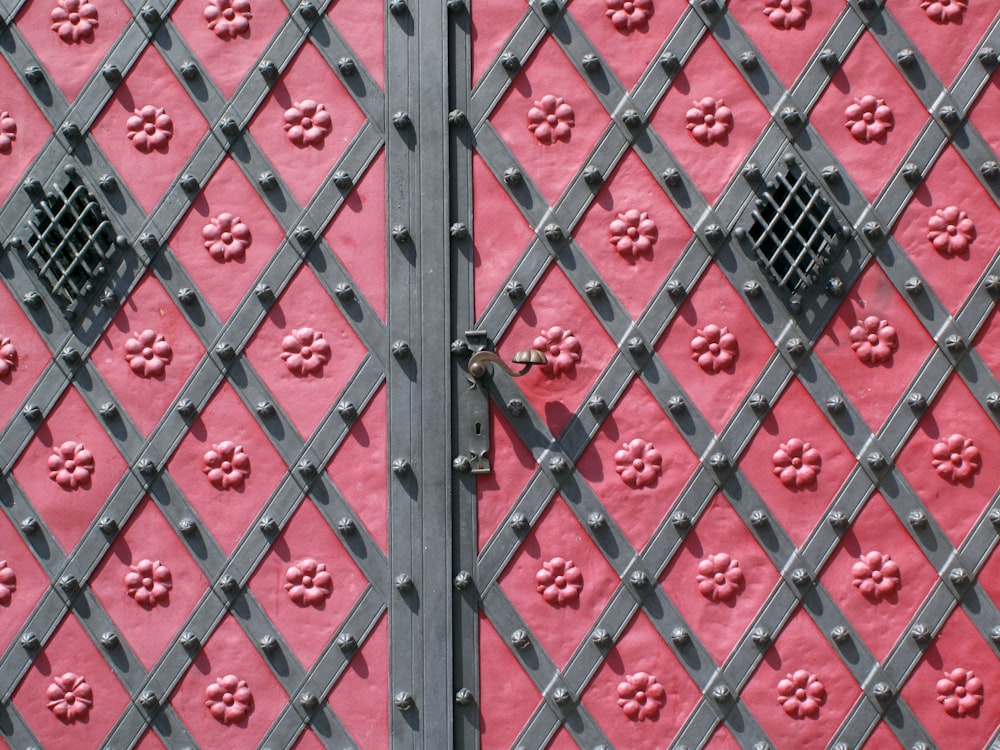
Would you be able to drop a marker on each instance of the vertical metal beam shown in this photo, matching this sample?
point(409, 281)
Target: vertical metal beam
point(419, 426)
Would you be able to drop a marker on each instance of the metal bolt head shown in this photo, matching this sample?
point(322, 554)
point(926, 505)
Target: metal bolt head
point(509, 61)
point(592, 175)
point(675, 289)
point(872, 230)
point(146, 467)
point(267, 181)
point(801, 577)
point(876, 461)
point(827, 57)
point(225, 351)
point(513, 176)
point(838, 520)
point(672, 176)
point(186, 296)
point(520, 639)
point(760, 637)
point(795, 346)
point(33, 74)
point(994, 516)
point(401, 467)
point(920, 633)
point(112, 73)
point(189, 71)
point(347, 643)
point(676, 405)
point(346, 526)
point(636, 346)
point(189, 640)
point(597, 405)
point(680, 637)
point(758, 402)
point(109, 640)
point(32, 300)
point(268, 644)
point(594, 289)
point(632, 119)
point(68, 583)
point(304, 235)
point(398, 7)
point(463, 580)
point(264, 409)
point(840, 635)
point(548, 7)
point(269, 525)
point(461, 464)
point(959, 577)
point(342, 180)
point(188, 526)
point(597, 521)
point(70, 355)
point(882, 691)
point(344, 292)
point(954, 343)
point(400, 234)
point(639, 579)
point(601, 638)
point(400, 349)
point(916, 401)
point(748, 60)
point(949, 114)
point(268, 69)
point(308, 700)
point(561, 696)
point(988, 57)
point(752, 289)
point(307, 468)
point(459, 230)
point(148, 700)
point(558, 465)
point(719, 461)
point(70, 131)
point(995, 634)
point(831, 174)
point(401, 121)
point(109, 410)
point(108, 525)
point(669, 62)
point(714, 234)
point(590, 63)
point(989, 169)
point(721, 693)
point(758, 519)
point(907, 58)
point(29, 525)
point(515, 407)
point(680, 521)
point(463, 697)
point(553, 233)
point(515, 290)
point(403, 701)
point(518, 522)
point(229, 584)
point(835, 405)
point(30, 641)
point(457, 118)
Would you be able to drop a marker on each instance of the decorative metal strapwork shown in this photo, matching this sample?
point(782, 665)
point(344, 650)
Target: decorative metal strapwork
point(795, 232)
point(71, 242)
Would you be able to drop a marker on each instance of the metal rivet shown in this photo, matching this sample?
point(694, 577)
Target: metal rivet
point(680, 636)
point(989, 169)
point(307, 468)
point(308, 700)
point(872, 230)
point(795, 346)
point(838, 520)
point(32, 413)
point(463, 580)
point(740, 233)
point(30, 641)
point(225, 351)
point(514, 290)
point(669, 61)
point(264, 409)
point(70, 355)
point(791, 116)
point(344, 292)
point(346, 526)
point(709, 6)
point(914, 285)
point(400, 234)
point(518, 522)
point(992, 284)
point(954, 343)
point(907, 58)
point(721, 693)
point(748, 60)
point(993, 401)
point(189, 640)
point(29, 525)
point(882, 691)
point(70, 131)
point(834, 286)
point(959, 577)
point(107, 183)
point(949, 114)
point(186, 296)
point(403, 701)
point(911, 172)
point(636, 346)
point(995, 634)
point(111, 73)
point(917, 519)
point(548, 7)
point(558, 465)
point(401, 121)
point(268, 69)
point(264, 292)
point(150, 14)
point(592, 175)
point(509, 61)
point(639, 579)
point(553, 233)
point(597, 405)
point(714, 234)
point(672, 176)
point(459, 230)
point(719, 461)
point(463, 697)
point(601, 638)
point(109, 410)
point(146, 467)
point(752, 289)
point(920, 633)
point(675, 289)
point(758, 402)
point(346, 643)
point(835, 405)
point(268, 525)
point(457, 118)
point(304, 235)
point(33, 74)
point(400, 467)
point(268, 644)
point(632, 119)
point(108, 525)
point(758, 519)
point(876, 461)
point(681, 521)
point(827, 57)
point(515, 407)
point(148, 700)
point(68, 583)
point(801, 577)
point(988, 57)
point(594, 289)
point(561, 696)
point(229, 584)
point(513, 176)
point(840, 635)
point(831, 174)
point(400, 349)
point(520, 639)
point(397, 7)
point(188, 526)
point(32, 300)
point(676, 405)
point(461, 464)
point(189, 71)
point(590, 62)
point(267, 181)
point(751, 172)
point(760, 637)
point(189, 183)
point(994, 516)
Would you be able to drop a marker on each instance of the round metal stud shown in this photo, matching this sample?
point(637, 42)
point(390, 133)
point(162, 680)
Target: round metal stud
point(872, 230)
point(994, 516)
point(509, 61)
point(461, 464)
point(558, 465)
point(917, 519)
point(457, 118)
point(597, 521)
point(675, 289)
point(515, 290)
point(268, 69)
point(911, 172)
point(29, 525)
point(518, 522)
point(146, 467)
point(748, 60)
point(840, 635)
point(988, 57)
point(148, 700)
point(672, 176)
point(594, 289)
point(68, 583)
point(344, 292)
point(993, 401)
point(188, 526)
point(553, 233)
point(795, 346)
point(676, 405)
point(229, 584)
point(459, 230)
point(32, 413)
point(70, 356)
point(264, 409)
point(954, 343)
point(835, 405)
point(268, 525)
point(400, 349)
point(719, 461)
point(882, 691)
point(346, 526)
point(680, 637)
point(109, 410)
point(632, 119)
point(801, 577)
point(308, 700)
point(949, 115)
point(758, 402)
point(714, 234)
point(398, 7)
point(995, 634)
point(669, 62)
point(992, 284)
point(307, 468)
point(225, 351)
point(838, 520)
point(597, 405)
point(989, 169)
point(108, 526)
point(32, 300)
point(561, 696)
point(639, 579)
point(70, 131)
point(347, 643)
point(920, 633)
point(831, 174)
point(112, 73)
point(592, 175)
point(30, 641)
point(548, 7)
point(107, 183)
point(515, 407)
point(876, 461)
point(33, 74)
point(401, 121)
point(403, 702)
point(636, 346)
point(680, 521)
point(304, 235)
point(828, 58)
point(591, 63)
point(109, 639)
point(759, 519)
point(189, 640)
point(721, 693)
point(760, 637)
point(959, 577)
point(267, 181)
point(401, 467)
point(463, 697)
point(400, 234)
point(907, 58)
point(463, 580)
point(268, 644)
point(189, 71)
point(520, 639)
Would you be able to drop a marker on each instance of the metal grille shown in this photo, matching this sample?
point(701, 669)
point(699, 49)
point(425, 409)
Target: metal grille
point(794, 232)
point(71, 241)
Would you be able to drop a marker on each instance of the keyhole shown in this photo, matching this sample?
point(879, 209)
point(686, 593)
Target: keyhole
point(479, 428)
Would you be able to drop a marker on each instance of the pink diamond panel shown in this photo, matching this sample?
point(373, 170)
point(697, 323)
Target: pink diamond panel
point(510, 460)
point(361, 696)
point(23, 582)
point(508, 696)
point(23, 129)
point(23, 356)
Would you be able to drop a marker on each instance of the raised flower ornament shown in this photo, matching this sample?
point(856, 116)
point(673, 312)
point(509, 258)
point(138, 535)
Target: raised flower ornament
point(801, 694)
point(229, 699)
point(8, 357)
point(8, 583)
point(305, 351)
point(8, 132)
point(149, 128)
point(74, 21)
point(148, 354)
point(308, 583)
point(869, 119)
point(69, 697)
point(945, 11)
point(951, 231)
point(632, 234)
point(874, 340)
point(709, 121)
point(638, 463)
point(787, 14)
point(551, 120)
point(559, 581)
point(226, 237)
point(956, 458)
point(307, 123)
point(876, 576)
point(71, 465)
point(960, 692)
point(227, 465)
point(641, 697)
point(561, 348)
point(796, 463)
point(149, 583)
point(714, 348)
point(719, 578)
point(228, 18)
point(629, 15)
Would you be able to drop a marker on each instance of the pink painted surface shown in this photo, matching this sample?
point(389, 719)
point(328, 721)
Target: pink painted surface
point(225, 284)
point(307, 628)
point(787, 50)
point(226, 512)
point(958, 645)
point(358, 468)
point(709, 73)
point(633, 279)
point(70, 650)
point(148, 630)
point(800, 646)
point(361, 23)
point(797, 508)
point(227, 59)
point(954, 504)
point(874, 388)
point(719, 624)
point(868, 72)
point(68, 512)
point(500, 235)
point(70, 64)
point(554, 302)
point(360, 697)
point(713, 301)
point(305, 397)
point(637, 510)
point(357, 236)
point(512, 465)
point(145, 399)
point(640, 648)
point(149, 83)
point(549, 165)
point(228, 652)
point(490, 26)
point(558, 628)
point(307, 77)
point(950, 183)
point(27, 587)
point(631, 49)
point(507, 695)
point(30, 361)
point(984, 111)
point(879, 622)
point(33, 130)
